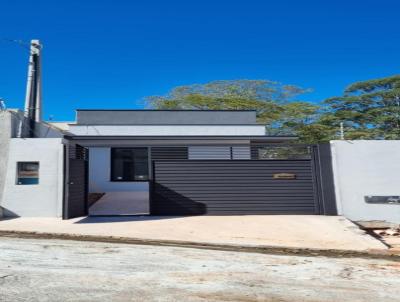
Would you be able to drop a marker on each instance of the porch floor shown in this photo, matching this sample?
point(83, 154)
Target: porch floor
point(121, 203)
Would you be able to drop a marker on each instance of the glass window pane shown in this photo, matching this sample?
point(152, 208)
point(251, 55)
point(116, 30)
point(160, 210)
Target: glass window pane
point(27, 173)
point(129, 164)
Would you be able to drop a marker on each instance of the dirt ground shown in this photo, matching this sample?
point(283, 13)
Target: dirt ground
point(57, 270)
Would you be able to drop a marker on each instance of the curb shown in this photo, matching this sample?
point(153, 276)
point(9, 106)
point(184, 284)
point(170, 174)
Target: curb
point(262, 249)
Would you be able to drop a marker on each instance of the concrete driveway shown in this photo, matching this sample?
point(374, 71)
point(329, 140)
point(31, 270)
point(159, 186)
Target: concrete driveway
point(309, 232)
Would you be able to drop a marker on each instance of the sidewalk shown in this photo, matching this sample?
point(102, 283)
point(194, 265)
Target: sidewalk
point(321, 233)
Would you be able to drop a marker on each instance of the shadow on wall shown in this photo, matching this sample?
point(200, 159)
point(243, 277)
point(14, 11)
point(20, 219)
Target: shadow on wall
point(168, 202)
point(7, 214)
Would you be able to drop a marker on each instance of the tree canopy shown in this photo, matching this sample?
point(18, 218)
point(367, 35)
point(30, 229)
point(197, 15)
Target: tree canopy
point(276, 104)
point(368, 109)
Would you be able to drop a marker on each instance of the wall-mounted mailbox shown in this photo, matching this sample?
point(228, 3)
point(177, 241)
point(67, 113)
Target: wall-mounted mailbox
point(382, 199)
point(284, 176)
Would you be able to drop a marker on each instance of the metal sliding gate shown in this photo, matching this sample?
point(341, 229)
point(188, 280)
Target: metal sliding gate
point(76, 181)
point(260, 185)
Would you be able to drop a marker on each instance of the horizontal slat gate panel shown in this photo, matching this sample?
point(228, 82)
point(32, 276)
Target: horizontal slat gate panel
point(184, 187)
point(209, 152)
point(158, 153)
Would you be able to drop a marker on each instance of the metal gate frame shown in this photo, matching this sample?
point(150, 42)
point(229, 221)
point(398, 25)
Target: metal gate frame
point(324, 180)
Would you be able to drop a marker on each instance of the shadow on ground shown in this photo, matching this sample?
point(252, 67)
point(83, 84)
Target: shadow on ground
point(111, 219)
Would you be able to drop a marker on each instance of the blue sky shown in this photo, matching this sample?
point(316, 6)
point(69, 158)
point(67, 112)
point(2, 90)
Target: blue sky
point(111, 54)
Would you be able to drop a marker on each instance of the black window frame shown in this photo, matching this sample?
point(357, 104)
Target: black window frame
point(113, 149)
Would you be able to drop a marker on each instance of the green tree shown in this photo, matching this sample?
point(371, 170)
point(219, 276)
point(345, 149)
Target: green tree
point(368, 109)
point(275, 103)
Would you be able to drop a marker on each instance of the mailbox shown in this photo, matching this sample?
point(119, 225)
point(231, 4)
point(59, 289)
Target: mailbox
point(284, 176)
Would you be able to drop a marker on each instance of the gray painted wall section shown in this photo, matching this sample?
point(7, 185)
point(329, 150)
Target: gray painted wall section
point(143, 117)
point(364, 168)
point(45, 130)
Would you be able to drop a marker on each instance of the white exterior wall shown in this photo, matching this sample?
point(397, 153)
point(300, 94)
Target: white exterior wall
point(168, 130)
point(100, 174)
point(363, 168)
point(44, 199)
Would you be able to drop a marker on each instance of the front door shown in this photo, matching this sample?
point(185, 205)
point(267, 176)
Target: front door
point(76, 181)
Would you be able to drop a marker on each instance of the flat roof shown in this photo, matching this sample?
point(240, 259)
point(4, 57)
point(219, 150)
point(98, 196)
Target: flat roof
point(176, 137)
point(165, 117)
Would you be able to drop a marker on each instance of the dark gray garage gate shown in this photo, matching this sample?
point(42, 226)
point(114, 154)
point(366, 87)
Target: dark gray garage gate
point(229, 187)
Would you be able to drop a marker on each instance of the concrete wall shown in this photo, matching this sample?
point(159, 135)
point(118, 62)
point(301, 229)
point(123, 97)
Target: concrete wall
point(100, 172)
point(168, 130)
point(165, 117)
point(44, 199)
point(5, 135)
point(45, 130)
point(9, 123)
point(363, 168)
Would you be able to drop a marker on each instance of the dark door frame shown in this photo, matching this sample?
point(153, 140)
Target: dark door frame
point(78, 153)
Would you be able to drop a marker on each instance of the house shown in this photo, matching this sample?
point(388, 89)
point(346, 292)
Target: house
point(160, 162)
point(183, 162)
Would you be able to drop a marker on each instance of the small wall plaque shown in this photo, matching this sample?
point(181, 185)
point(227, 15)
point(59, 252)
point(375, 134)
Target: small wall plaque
point(284, 176)
point(382, 199)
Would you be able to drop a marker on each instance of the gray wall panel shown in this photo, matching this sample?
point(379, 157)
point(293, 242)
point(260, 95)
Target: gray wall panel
point(168, 117)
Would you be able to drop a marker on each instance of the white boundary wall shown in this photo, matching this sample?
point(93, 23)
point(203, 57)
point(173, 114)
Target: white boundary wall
point(363, 168)
point(44, 199)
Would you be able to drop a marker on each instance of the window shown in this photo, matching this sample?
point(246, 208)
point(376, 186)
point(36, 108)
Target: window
point(129, 164)
point(27, 173)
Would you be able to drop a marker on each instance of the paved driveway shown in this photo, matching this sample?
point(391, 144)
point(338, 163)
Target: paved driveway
point(56, 270)
point(319, 232)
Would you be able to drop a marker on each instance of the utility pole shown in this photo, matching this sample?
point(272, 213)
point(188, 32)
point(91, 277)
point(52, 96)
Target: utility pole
point(2, 105)
point(398, 114)
point(341, 131)
point(33, 99)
